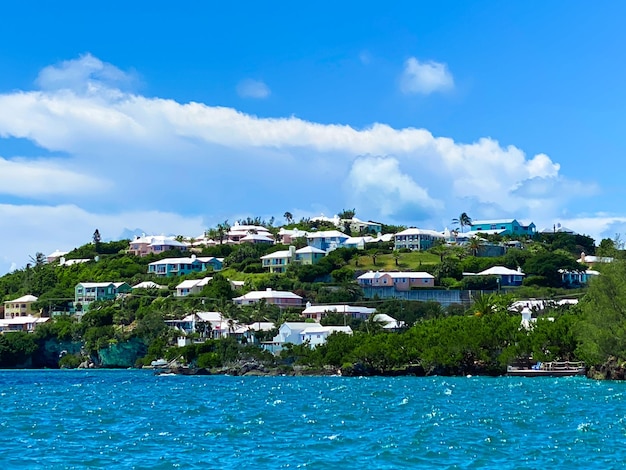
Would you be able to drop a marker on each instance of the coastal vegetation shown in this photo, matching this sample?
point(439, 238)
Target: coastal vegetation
point(481, 336)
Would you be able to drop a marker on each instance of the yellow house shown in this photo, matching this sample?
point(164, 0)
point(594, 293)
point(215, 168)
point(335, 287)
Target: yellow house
point(21, 307)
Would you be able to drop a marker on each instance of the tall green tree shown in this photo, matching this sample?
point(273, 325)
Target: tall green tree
point(603, 329)
point(462, 221)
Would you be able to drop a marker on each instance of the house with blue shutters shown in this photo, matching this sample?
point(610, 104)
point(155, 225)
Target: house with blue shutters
point(503, 227)
point(87, 292)
point(327, 240)
point(180, 266)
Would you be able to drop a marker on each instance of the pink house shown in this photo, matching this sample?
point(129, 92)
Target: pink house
point(144, 245)
point(401, 281)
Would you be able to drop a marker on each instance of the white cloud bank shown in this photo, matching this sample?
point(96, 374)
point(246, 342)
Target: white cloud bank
point(425, 77)
point(168, 167)
point(249, 88)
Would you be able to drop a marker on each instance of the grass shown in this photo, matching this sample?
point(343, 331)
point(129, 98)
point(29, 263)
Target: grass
point(413, 261)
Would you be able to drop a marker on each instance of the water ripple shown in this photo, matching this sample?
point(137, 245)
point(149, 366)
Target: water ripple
point(133, 419)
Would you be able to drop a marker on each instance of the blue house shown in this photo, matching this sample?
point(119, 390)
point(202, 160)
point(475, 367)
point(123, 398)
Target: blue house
point(326, 240)
point(87, 292)
point(506, 277)
point(503, 227)
point(180, 266)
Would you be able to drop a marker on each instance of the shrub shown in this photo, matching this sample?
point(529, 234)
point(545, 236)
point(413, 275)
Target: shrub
point(70, 361)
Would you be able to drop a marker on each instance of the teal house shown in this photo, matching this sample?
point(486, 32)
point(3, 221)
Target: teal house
point(503, 227)
point(87, 292)
point(180, 266)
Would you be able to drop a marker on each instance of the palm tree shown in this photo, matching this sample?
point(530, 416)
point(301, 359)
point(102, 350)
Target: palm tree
point(474, 245)
point(464, 220)
point(484, 304)
point(288, 217)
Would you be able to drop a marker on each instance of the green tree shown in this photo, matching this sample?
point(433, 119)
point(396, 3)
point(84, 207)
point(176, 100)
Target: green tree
point(602, 333)
point(546, 266)
point(462, 221)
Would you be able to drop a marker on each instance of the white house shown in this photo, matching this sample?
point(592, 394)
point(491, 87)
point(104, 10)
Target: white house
point(316, 335)
point(209, 324)
point(387, 322)
point(505, 276)
point(27, 323)
point(191, 286)
point(317, 312)
point(282, 299)
point(416, 239)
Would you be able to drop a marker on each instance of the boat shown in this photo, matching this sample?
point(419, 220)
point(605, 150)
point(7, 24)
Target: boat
point(549, 369)
point(159, 363)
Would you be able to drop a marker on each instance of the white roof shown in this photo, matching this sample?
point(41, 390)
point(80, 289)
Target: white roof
point(396, 275)
point(388, 321)
point(185, 260)
point(157, 240)
point(476, 233)
point(258, 236)
point(189, 283)
point(317, 329)
point(261, 326)
point(70, 262)
point(539, 304)
point(327, 234)
point(419, 231)
point(309, 249)
point(25, 298)
point(358, 240)
point(292, 233)
point(268, 294)
point(300, 325)
point(337, 309)
point(595, 259)
point(97, 284)
point(237, 229)
point(492, 221)
point(500, 271)
point(22, 320)
point(57, 254)
point(148, 285)
point(278, 254)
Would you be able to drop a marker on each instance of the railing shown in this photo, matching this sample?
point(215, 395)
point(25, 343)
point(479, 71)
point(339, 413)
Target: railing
point(566, 365)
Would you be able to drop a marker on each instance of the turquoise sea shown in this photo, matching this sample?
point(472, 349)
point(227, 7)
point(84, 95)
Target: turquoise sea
point(134, 419)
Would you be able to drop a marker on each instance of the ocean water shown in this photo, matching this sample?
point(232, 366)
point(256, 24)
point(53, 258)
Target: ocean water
point(134, 419)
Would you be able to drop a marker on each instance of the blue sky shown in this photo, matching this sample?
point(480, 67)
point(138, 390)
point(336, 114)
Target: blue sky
point(174, 118)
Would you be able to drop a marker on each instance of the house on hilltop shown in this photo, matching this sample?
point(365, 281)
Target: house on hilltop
point(282, 299)
point(503, 227)
point(21, 307)
point(416, 239)
point(154, 244)
point(317, 312)
point(180, 266)
point(87, 292)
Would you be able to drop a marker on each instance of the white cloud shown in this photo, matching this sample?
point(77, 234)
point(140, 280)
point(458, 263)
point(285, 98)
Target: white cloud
point(85, 74)
point(158, 156)
point(378, 183)
point(41, 178)
point(47, 228)
point(425, 77)
point(249, 88)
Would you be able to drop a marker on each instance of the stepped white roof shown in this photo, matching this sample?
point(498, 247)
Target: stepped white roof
point(268, 294)
point(148, 285)
point(337, 309)
point(500, 271)
point(25, 298)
